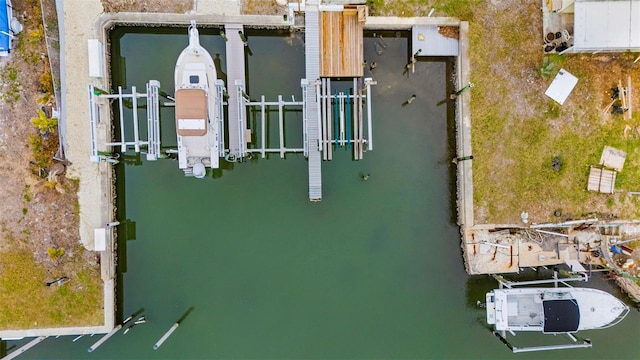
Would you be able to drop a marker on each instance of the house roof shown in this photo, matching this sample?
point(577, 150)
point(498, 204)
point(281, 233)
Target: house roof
point(606, 25)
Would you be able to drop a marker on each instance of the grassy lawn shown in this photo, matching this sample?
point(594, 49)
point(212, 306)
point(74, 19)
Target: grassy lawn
point(517, 131)
point(27, 302)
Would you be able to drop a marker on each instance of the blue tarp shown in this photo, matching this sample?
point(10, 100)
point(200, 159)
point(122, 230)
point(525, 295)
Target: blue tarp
point(5, 37)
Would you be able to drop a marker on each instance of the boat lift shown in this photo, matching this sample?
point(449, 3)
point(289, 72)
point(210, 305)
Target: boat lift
point(576, 341)
point(152, 143)
point(341, 118)
point(262, 104)
point(342, 112)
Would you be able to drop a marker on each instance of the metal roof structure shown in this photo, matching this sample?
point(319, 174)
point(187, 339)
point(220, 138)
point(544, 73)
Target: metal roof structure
point(606, 25)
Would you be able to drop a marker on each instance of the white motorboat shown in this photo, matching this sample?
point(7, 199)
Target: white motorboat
point(553, 310)
point(197, 106)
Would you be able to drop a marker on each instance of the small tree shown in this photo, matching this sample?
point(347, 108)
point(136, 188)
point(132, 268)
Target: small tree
point(55, 253)
point(547, 67)
point(43, 122)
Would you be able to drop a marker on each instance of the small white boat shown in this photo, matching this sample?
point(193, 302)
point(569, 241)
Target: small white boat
point(553, 310)
point(196, 107)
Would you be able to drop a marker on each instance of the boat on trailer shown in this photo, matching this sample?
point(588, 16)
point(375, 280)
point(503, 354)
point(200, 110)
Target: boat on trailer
point(551, 310)
point(196, 103)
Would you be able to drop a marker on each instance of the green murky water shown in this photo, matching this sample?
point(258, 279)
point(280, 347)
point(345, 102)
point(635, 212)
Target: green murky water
point(373, 271)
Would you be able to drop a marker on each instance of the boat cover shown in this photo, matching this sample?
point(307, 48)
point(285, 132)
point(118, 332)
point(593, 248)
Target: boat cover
point(191, 112)
point(561, 316)
point(5, 38)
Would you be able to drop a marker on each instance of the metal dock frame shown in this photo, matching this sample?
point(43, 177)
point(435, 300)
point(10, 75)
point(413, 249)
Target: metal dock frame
point(153, 121)
point(336, 119)
point(220, 90)
point(312, 98)
point(235, 77)
point(282, 149)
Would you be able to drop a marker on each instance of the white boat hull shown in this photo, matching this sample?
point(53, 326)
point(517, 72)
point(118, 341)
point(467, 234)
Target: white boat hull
point(553, 310)
point(197, 127)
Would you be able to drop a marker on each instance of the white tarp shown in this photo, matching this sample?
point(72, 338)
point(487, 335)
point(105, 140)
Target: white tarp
point(561, 86)
point(606, 25)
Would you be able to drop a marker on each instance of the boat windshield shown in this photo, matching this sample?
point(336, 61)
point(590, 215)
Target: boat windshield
point(561, 316)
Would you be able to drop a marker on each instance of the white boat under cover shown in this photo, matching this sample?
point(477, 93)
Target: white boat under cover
point(196, 107)
point(553, 310)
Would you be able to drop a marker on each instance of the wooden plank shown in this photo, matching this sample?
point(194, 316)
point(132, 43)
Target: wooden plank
point(607, 181)
point(341, 44)
point(593, 183)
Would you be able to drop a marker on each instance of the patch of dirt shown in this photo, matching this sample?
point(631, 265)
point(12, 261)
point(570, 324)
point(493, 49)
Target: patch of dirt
point(262, 7)
point(449, 31)
point(154, 6)
point(37, 213)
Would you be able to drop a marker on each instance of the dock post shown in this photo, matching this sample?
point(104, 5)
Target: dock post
point(165, 336)
point(318, 86)
point(323, 119)
point(348, 118)
point(123, 146)
point(340, 99)
point(356, 127)
point(281, 125)
point(264, 141)
point(369, 125)
point(136, 135)
point(104, 338)
point(327, 99)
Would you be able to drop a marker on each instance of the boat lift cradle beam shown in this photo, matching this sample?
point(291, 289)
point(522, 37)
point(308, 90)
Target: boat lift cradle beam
point(511, 284)
point(153, 122)
point(577, 343)
point(281, 104)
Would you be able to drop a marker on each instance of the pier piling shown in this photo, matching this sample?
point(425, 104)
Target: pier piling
point(165, 336)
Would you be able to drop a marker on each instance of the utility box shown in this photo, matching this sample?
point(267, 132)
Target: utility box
point(96, 58)
point(100, 239)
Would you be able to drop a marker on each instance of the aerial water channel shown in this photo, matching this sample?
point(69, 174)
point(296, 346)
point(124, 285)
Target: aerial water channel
point(373, 271)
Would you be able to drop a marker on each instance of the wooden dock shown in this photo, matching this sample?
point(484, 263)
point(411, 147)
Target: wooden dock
point(341, 42)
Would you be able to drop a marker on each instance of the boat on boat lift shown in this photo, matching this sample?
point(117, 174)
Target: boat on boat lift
point(197, 106)
point(551, 310)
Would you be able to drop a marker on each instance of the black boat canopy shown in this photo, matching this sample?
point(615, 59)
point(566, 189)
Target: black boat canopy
point(561, 316)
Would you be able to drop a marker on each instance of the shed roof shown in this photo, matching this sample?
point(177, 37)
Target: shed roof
point(606, 25)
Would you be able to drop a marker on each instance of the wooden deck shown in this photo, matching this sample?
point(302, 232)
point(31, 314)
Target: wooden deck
point(341, 41)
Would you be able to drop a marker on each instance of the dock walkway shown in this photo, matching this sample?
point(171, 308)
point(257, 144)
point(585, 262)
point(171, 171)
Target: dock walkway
point(312, 66)
point(235, 87)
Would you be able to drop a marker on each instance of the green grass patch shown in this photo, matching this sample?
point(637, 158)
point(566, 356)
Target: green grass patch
point(27, 302)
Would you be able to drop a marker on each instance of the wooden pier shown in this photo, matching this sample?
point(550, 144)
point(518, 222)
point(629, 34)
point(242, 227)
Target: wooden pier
point(341, 41)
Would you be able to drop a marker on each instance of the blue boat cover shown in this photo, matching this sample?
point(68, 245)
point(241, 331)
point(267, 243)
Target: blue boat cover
point(5, 38)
